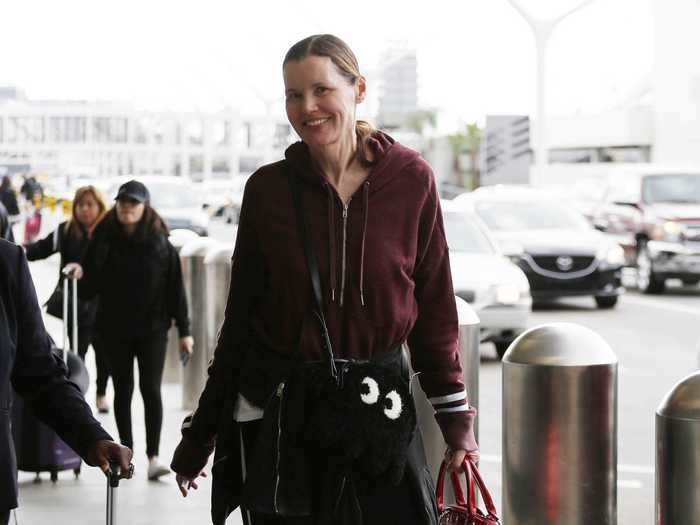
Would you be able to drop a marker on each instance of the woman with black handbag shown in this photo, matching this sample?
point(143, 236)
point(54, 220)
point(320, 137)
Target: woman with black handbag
point(70, 239)
point(340, 259)
point(136, 272)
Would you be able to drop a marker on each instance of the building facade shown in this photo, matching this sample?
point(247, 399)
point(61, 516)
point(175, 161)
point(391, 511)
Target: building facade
point(102, 139)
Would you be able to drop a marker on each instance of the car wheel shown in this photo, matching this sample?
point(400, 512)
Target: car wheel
point(501, 347)
point(647, 281)
point(606, 301)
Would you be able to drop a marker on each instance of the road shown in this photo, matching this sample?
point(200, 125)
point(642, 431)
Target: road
point(656, 341)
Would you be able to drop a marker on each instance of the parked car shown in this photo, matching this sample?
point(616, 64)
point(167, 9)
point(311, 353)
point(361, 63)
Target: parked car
point(557, 248)
point(178, 200)
point(654, 213)
point(495, 287)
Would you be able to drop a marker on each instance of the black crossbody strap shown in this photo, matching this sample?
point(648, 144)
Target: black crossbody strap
point(312, 265)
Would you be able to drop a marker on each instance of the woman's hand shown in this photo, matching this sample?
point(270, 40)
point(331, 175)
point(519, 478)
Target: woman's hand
point(73, 270)
point(185, 484)
point(455, 458)
point(187, 344)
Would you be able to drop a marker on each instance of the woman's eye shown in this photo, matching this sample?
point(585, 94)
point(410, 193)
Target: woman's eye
point(321, 90)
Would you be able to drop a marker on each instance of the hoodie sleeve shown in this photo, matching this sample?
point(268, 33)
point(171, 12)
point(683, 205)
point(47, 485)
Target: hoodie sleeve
point(247, 277)
point(433, 340)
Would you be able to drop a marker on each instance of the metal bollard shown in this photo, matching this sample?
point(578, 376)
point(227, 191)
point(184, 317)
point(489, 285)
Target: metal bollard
point(678, 455)
point(560, 428)
point(194, 374)
point(217, 263)
point(172, 372)
point(433, 441)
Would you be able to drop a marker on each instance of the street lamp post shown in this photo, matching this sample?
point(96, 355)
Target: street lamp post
point(542, 30)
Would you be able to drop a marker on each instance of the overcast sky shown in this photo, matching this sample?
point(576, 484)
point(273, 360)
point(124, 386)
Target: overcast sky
point(475, 57)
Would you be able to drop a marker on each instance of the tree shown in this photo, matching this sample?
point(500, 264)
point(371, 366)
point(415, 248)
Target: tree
point(467, 143)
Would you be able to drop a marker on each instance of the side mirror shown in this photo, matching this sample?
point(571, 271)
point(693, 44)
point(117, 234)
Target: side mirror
point(601, 225)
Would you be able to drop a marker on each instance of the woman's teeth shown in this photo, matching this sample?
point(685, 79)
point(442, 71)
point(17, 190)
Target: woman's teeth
point(316, 122)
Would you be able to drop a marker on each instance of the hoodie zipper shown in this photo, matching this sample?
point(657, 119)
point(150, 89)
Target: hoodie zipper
point(280, 394)
point(345, 239)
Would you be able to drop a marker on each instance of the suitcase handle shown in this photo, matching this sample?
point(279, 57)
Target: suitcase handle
point(74, 340)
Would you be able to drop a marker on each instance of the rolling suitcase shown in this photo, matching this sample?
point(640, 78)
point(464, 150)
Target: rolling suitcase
point(38, 447)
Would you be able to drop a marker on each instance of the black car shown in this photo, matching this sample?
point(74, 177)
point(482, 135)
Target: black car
point(560, 252)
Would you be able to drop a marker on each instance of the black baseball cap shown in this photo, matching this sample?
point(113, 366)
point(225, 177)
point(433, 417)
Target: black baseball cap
point(133, 190)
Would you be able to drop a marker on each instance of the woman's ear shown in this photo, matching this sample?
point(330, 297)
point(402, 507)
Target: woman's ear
point(360, 90)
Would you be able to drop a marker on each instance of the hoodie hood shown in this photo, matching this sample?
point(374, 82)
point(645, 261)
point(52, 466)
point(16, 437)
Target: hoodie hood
point(390, 158)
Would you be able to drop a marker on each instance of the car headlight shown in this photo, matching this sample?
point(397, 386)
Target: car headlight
point(669, 231)
point(613, 256)
point(507, 294)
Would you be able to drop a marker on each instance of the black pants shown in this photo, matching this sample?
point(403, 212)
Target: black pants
point(88, 336)
point(5, 517)
point(381, 505)
point(149, 353)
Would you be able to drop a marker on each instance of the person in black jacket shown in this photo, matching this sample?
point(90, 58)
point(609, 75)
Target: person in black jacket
point(8, 197)
point(135, 270)
point(39, 376)
point(70, 239)
point(5, 225)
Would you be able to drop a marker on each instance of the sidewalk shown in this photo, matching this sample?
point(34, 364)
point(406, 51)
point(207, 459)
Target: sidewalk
point(139, 501)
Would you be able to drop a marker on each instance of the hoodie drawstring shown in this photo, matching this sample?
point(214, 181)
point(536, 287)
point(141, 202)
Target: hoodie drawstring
point(331, 240)
point(365, 213)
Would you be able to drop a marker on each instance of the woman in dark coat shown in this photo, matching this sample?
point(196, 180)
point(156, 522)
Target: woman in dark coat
point(8, 197)
point(136, 272)
point(376, 227)
point(70, 239)
point(28, 366)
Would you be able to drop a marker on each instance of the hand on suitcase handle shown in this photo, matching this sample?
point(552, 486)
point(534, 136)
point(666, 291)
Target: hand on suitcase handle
point(106, 453)
point(73, 270)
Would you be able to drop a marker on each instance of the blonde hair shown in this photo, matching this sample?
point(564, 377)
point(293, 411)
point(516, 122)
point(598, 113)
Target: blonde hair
point(73, 226)
point(345, 60)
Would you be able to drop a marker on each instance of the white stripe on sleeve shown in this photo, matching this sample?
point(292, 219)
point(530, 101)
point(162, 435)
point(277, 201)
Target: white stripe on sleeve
point(450, 398)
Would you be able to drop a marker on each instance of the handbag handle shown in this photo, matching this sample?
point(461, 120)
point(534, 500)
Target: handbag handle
point(474, 482)
point(312, 266)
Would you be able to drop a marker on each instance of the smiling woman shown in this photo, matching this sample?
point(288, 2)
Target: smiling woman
point(356, 214)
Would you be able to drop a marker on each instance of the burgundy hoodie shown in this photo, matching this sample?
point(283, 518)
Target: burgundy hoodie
point(385, 274)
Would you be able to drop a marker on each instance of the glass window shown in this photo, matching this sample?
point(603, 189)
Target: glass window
point(464, 235)
point(680, 188)
point(522, 215)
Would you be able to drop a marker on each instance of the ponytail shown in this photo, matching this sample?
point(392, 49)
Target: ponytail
point(364, 131)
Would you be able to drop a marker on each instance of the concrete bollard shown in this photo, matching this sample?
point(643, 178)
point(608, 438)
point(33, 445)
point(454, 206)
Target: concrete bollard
point(172, 372)
point(559, 428)
point(469, 355)
point(217, 263)
point(678, 455)
point(194, 374)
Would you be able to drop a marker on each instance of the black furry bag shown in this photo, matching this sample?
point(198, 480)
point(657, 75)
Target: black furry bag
point(360, 412)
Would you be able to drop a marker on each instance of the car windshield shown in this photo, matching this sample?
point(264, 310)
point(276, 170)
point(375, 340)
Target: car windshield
point(464, 235)
point(680, 188)
point(519, 215)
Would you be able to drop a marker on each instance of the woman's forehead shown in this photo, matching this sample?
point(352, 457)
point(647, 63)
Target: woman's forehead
point(308, 71)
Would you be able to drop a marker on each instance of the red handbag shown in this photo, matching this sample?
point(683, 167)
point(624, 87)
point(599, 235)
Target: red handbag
point(465, 512)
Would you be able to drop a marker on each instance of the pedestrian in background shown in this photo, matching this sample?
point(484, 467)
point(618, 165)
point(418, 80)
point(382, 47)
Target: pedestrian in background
point(132, 267)
point(5, 224)
point(375, 224)
point(8, 197)
point(70, 239)
point(39, 376)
